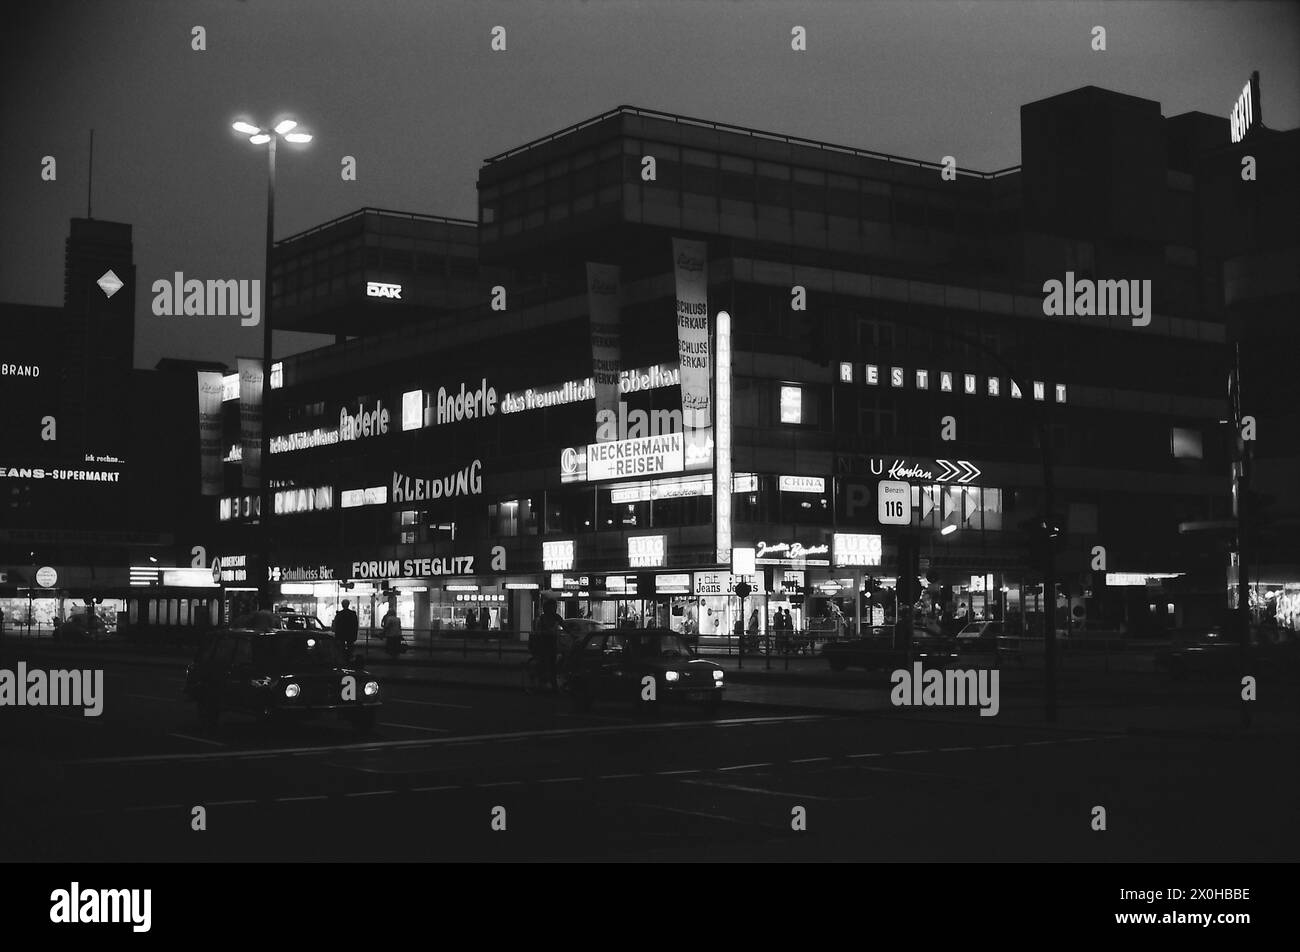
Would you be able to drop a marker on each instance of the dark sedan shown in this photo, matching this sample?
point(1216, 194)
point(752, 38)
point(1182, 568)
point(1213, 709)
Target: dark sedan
point(279, 674)
point(878, 651)
point(644, 666)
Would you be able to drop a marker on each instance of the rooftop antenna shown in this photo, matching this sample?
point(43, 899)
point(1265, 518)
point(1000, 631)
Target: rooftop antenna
point(90, 180)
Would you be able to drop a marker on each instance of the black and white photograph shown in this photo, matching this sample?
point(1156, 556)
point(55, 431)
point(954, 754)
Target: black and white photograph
point(450, 433)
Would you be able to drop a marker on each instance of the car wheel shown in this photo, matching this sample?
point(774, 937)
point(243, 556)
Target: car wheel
point(364, 720)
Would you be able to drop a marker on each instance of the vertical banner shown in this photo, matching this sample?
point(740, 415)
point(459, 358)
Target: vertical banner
point(210, 398)
point(250, 420)
point(606, 342)
point(690, 268)
point(722, 498)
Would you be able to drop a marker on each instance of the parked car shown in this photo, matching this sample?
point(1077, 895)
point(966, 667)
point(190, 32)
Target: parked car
point(611, 665)
point(1205, 651)
point(82, 626)
point(573, 630)
point(274, 674)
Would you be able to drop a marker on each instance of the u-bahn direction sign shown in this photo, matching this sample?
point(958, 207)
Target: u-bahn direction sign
point(923, 470)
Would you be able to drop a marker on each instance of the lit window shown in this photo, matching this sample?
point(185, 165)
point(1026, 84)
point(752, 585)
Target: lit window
point(791, 404)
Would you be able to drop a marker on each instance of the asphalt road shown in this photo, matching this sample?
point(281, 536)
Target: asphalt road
point(618, 785)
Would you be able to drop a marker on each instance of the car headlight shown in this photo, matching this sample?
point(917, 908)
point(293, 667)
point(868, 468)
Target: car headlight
point(372, 688)
point(717, 675)
point(292, 690)
point(672, 675)
point(262, 682)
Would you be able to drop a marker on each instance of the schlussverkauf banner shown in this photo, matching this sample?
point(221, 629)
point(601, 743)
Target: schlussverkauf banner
point(210, 432)
point(606, 336)
point(690, 266)
point(250, 421)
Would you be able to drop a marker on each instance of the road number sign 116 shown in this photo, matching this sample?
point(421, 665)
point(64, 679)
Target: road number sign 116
point(894, 498)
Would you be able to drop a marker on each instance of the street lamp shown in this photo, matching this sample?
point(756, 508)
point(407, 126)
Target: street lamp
point(260, 136)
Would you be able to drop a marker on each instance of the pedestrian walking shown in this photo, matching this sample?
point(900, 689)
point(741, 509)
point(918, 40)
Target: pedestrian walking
point(544, 642)
point(392, 630)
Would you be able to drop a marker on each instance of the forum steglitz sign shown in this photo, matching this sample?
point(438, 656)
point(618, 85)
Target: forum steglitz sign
point(413, 568)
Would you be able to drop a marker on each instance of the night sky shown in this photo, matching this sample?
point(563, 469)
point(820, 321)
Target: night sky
point(413, 91)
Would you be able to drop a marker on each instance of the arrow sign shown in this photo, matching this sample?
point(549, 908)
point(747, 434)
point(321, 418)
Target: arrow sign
point(949, 470)
point(970, 469)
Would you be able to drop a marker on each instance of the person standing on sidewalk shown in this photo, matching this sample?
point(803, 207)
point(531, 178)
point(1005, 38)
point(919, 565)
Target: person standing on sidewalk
point(544, 642)
point(345, 627)
point(392, 629)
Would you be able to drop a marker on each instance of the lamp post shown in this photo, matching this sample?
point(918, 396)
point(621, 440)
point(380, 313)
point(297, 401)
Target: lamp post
point(742, 591)
point(260, 136)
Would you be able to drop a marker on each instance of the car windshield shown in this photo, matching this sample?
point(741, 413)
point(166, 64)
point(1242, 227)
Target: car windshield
point(287, 651)
point(650, 645)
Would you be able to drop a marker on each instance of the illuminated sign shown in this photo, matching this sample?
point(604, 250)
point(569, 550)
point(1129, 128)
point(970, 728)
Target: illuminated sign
point(453, 407)
point(645, 551)
point(302, 573)
point(229, 387)
point(277, 375)
point(381, 290)
point(558, 555)
point(465, 482)
point(675, 488)
point(239, 507)
point(189, 578)
point(924, 470)
point(413, 568)
point(855, 549)
point(578, 390)
point(651, 454)
point(288, 501)
point(412, 410)
point(791, 405)
point(20, 370)
point(894, 502)
point(364, 423)
point(232, 568)
point(948, 383)
point(744, 483)
point(724, 583)
point(573, 465)
point(1245, 111)
point(61, 475)
point(1118, 579)
point(46, 576)
point(673, 584)
point(801, 484)
point(722, 465)
point(370, 496)
point(787, 553)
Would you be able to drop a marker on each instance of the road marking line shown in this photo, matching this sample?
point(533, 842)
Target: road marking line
point(433, 789)
point(160, 806)
point(770, 793)
point(901, 753)
point(946, 749)
point(855, 756)
point(502, 783)
point(563, 780)
point(618, 776)
point(809, 760)
point(402, 700)
point(462, 739)
point(297, 799)
point(998, 746)
point(229, 803)
point(201, 740)
point(1039, 743)
point(707, 816)
point(674, 773)
point(742, 767)
point(417, 727)
point(370, 793)
point(154, 697)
